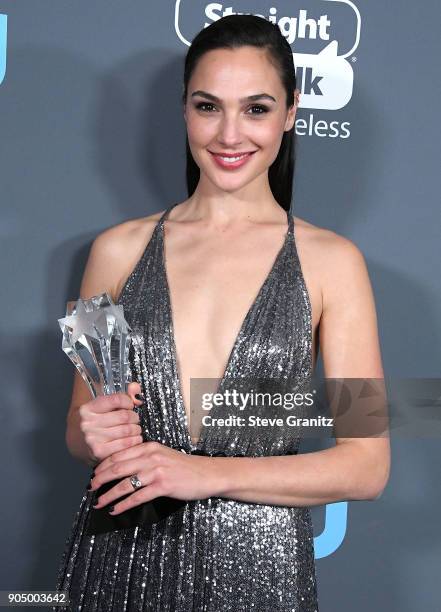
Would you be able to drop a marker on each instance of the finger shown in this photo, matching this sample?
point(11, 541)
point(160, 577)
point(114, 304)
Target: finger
point(119, 470)
point(143, 495)
point(116, 417)
point(123, 455)
point(118, 445)
point(134, 388)
point(118, 431)
point(122, 488)
point(145, 448)
point(114, 401)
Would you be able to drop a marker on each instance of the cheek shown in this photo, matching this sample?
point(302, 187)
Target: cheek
point(200, 130)
point(268, 137)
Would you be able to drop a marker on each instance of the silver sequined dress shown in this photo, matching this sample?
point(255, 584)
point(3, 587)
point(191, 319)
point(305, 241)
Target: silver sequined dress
point(218, 554)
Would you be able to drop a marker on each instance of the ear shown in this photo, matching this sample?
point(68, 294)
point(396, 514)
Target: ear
point(290, 119)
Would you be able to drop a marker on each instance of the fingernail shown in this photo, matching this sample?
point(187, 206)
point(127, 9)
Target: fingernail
point(140, 397)
point(110, 508)
point(96, 504)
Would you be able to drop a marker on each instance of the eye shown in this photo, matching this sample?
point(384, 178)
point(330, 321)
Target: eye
point(200, 106)
point(262, 109)
point(206, 106)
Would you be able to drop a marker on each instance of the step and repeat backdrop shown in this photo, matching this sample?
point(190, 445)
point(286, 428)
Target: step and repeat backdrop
point(92, 134)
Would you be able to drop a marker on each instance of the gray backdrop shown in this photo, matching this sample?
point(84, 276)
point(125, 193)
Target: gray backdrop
point(92, 134)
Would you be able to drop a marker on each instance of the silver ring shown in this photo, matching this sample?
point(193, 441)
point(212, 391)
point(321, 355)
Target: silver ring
point(135, 482)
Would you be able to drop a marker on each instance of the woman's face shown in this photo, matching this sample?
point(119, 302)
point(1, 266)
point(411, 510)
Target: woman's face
point(221, 120)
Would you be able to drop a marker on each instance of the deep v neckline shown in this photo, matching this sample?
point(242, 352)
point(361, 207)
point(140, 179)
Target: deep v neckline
point(249, 313)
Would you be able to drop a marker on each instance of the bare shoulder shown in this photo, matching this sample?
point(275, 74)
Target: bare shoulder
point(327, 243)
point(114, 254)
point(332, 261)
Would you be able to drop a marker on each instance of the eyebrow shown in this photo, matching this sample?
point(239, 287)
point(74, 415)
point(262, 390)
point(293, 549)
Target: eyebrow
point(254, 97)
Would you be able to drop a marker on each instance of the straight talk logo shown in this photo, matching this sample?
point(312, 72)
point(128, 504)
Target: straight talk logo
point(325, 78)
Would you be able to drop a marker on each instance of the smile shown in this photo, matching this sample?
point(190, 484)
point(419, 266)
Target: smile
point(230, 161)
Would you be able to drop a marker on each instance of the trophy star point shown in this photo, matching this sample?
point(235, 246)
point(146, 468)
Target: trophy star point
point(82, 322)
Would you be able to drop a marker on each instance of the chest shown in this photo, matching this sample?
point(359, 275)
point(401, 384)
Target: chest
point(213, 288)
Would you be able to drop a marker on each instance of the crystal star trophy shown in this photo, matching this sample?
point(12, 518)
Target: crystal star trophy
point(97, 339)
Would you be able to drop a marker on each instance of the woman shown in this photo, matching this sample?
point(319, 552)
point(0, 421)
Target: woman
point(222, 286)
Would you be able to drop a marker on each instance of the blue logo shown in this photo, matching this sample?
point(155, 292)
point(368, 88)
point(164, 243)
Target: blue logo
point(334, 532)
point(3, 33)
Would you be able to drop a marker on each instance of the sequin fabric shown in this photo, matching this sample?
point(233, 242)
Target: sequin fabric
point(213, 555)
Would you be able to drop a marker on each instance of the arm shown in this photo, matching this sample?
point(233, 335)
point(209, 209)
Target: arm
point(75, 442)
point(112, 256)
point(355, 468)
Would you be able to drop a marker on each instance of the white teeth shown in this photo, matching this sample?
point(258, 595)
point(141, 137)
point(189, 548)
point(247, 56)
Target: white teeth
point(233, 159)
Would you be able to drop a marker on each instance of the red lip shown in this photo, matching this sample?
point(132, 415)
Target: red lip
point(231, 165)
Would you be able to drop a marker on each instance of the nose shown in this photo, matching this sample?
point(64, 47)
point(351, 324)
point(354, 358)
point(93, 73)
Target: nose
point(229, 133)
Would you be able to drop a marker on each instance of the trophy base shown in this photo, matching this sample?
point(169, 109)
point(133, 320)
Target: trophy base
point(100, 521)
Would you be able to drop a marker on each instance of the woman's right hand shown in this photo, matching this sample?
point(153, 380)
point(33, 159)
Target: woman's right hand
point(109, 424)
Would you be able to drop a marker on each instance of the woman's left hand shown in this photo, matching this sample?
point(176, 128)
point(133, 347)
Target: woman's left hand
point(163, 471)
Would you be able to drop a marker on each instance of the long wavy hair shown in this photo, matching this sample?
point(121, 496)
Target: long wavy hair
point(231, 32)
